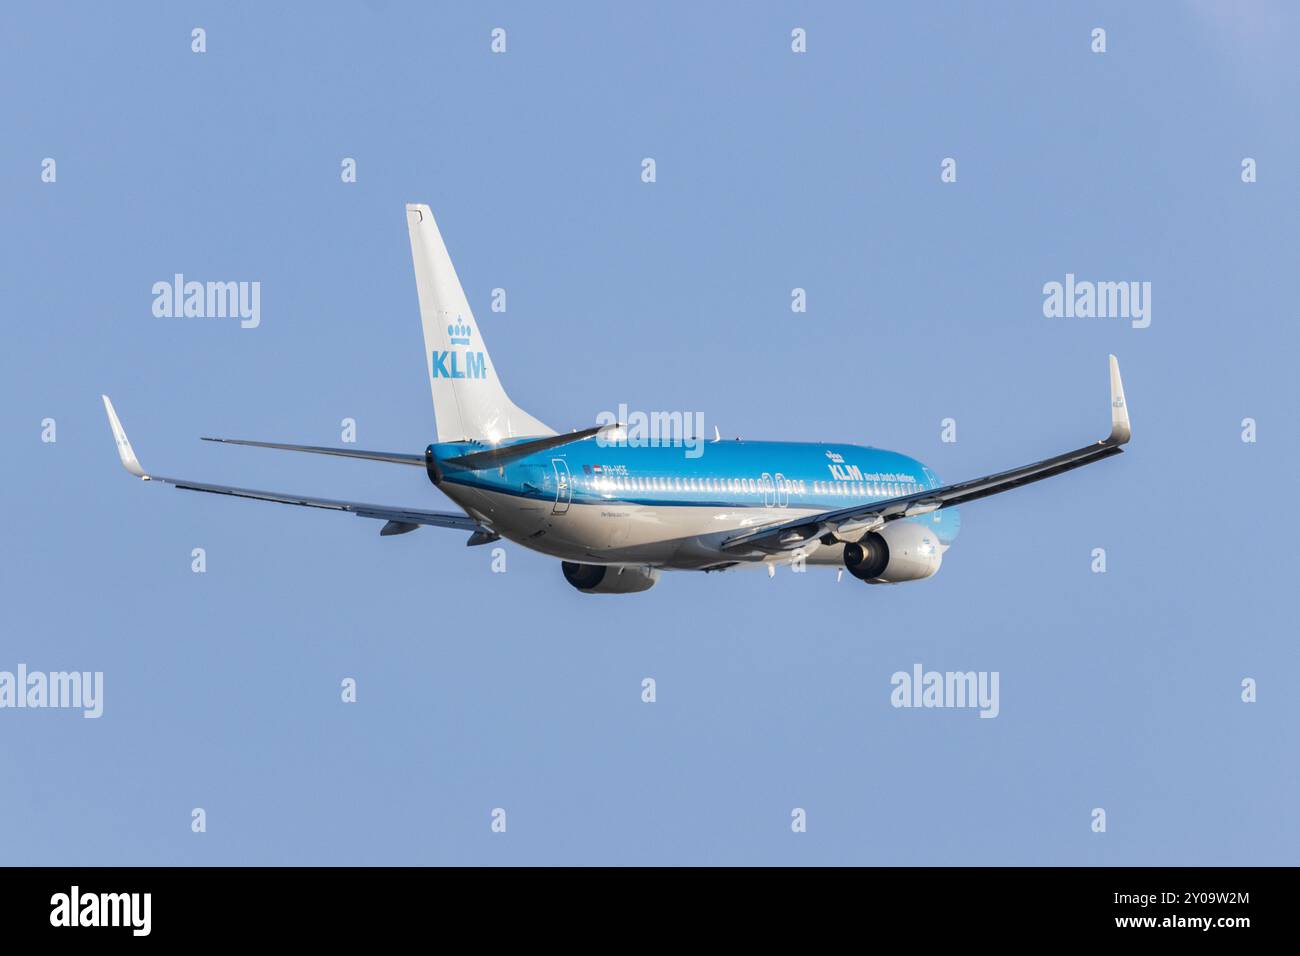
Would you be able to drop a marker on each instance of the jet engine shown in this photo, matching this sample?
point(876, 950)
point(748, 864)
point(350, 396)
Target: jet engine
point(900, 551)
point(607, 579)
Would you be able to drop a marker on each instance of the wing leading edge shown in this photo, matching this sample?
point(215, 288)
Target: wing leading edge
point(853, 522)
point(399, 520)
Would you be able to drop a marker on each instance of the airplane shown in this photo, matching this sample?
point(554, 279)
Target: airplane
point(618, 513)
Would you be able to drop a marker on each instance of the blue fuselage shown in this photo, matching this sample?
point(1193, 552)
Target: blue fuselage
point(683, 491)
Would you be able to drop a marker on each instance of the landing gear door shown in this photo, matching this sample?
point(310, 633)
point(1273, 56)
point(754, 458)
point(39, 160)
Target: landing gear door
point(563, 486)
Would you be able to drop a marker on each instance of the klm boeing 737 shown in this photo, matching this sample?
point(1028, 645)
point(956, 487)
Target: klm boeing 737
point(617, 514)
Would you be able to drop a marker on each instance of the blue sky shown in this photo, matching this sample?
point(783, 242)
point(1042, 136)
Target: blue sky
point(774, 171)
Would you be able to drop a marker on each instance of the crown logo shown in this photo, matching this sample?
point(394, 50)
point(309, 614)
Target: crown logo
point(459, 331)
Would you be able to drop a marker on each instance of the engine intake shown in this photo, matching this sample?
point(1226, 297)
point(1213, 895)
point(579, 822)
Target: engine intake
point(900, 551)
point(607, 579)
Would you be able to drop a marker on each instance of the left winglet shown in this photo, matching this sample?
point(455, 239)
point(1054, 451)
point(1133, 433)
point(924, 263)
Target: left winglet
point(124, 449)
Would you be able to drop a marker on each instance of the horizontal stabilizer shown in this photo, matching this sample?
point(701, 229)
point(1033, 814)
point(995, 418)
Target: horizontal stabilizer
point(393, 457)
point(496, 457)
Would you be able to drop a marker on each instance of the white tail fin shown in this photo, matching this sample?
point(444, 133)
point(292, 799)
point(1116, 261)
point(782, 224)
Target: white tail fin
point(468, 400)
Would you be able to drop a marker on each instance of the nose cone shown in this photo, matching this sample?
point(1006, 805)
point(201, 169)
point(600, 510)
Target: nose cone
point(945, 523)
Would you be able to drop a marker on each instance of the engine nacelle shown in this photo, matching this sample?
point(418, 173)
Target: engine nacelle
point(900, 551)
point(606, 579)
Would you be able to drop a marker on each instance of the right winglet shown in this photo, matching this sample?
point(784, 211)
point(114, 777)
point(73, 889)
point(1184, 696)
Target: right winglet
point(124, 449)
point(1120, 431)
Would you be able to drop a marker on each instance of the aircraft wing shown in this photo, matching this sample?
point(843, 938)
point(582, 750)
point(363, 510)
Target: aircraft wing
point(400, 520)
point(852, 522)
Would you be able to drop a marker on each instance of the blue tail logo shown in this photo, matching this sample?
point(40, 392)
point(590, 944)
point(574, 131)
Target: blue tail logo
point(448, 365)
point(455, 364)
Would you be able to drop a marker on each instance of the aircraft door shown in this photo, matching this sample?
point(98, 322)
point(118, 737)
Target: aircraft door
point(563, 486)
